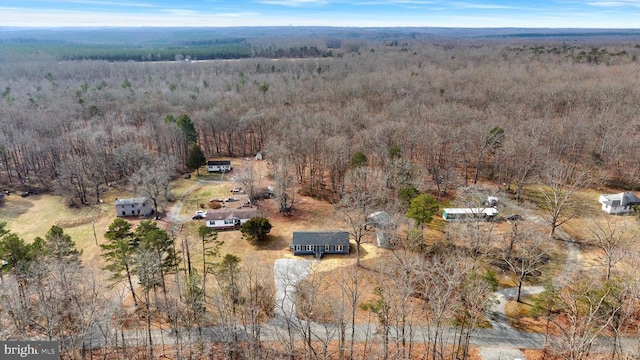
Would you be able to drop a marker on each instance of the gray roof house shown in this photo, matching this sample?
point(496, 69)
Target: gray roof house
point(621, 203)
point(318, 243)
point(229, 219)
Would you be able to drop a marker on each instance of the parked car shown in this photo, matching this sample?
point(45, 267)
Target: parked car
point(231, 199)
point(514, 217)
point(24, 194)
point(199, 215)
point(236, 190)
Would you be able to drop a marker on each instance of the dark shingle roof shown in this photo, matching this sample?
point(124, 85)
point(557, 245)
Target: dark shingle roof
point(321, 238)
point(622, 199)
point(218, 162)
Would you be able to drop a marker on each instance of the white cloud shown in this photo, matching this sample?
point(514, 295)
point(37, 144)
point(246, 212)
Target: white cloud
point(615, 3)
point(293, 3)
point(102, 2)
point(466, 5)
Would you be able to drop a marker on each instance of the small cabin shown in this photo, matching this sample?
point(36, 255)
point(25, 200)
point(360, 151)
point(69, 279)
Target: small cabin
point(462, 214)
point(222, 166)
point(318, 243)
point(133, 207)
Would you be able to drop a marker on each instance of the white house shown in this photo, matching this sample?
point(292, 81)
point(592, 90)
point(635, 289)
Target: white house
point(219, 166)
point(459, 214)
point(229, 219)
point(133, 207)
point(621, 203)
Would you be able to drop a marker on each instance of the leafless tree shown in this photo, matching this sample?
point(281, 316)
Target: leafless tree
point(582, 304)
point(525, 255)
point(152, 180)
point(284, 185)
point(359, 202)
point(249, 177)
point(557, 196)
point(615, 240)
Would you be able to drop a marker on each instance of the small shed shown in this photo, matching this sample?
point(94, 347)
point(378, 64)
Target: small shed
point(381, 221)
point(133, 207)
point(318, 243)
point(259, 156)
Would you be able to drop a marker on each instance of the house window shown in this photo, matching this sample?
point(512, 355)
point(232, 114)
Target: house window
point(339, 247)
point(298, 247)
point(310, 247)
point(229, 222)
point(327, 247)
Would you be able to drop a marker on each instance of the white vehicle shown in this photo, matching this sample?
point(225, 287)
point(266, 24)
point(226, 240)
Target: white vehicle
point(200, 214)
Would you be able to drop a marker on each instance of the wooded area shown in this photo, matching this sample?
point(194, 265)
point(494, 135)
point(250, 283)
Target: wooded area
point(437, 104)
point(371, 126)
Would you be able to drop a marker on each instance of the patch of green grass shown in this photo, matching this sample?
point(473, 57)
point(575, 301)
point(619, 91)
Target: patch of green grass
point(521, 309)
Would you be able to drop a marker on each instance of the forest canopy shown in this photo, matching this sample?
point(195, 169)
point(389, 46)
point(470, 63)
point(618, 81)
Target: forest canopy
point(414, 110)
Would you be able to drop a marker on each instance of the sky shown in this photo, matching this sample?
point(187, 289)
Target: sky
point(613, 14)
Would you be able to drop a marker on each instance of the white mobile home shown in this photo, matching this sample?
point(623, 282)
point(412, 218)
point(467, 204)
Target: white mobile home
point(222, 166)
point(461, 214)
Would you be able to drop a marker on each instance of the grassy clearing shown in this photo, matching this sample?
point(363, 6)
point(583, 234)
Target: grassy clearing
point(34, 215)
point(519, 314)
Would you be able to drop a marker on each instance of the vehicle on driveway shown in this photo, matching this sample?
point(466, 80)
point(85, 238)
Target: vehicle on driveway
point(199, 215)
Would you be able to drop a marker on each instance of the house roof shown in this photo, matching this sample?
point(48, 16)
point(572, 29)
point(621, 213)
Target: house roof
point(487, 211)
point(130, 201)
point(219, 162)
point(621, 199)
point(243, 213)
point(380, 218)
point(321, 238)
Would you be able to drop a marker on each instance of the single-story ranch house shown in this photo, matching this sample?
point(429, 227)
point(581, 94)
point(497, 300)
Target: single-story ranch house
point(461, 214)
point(229, 219)
point(222, 166)
point(318, 243)
point(621, 203)
point(133, 207)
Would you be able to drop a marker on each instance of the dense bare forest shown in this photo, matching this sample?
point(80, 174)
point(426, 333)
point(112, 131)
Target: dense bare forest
point(436, 103)
point(358, 128)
